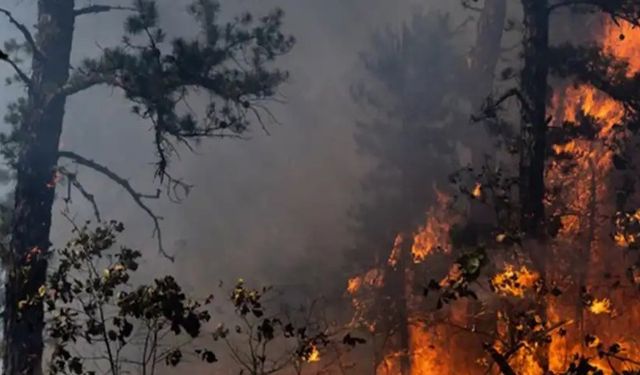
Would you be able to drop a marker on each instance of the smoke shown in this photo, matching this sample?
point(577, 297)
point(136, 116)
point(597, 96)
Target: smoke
point(275, 207)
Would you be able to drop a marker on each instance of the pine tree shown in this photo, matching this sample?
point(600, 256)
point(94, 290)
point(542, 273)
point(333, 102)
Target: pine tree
point(231, 62)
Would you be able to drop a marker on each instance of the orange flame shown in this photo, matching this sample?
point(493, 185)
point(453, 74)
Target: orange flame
point(513, 282)
point(434, 235)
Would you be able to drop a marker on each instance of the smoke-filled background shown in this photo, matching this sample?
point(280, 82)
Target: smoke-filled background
point(303, 204)
point(275, 207)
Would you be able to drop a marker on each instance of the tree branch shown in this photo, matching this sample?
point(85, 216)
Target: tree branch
point(25, 32)
point(23, 76)
point(491, 106)
point(619, 10)
point(78, 84)
point(137, 197)
point(500, 360)
point(95, 9)
point(73, 181)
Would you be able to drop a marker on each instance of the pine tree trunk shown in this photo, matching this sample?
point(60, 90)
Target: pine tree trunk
point(34, 195)
point(533, 135)
point(403, 288)
point(487, 49)
point(534, 126)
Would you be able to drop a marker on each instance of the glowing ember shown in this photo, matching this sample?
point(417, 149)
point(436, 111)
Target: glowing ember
point(354, 284)
point(477, 191)
point(374, 278)
point(600, 306)
point(394, 257)
point(513, 282)
point(314, 355)
point(627, 231)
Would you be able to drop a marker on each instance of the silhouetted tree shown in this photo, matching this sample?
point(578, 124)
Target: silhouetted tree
point(230, 62)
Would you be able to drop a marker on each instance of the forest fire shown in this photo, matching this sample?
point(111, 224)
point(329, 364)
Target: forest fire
point(585, 190)
point(476, 163)
point(579, 196)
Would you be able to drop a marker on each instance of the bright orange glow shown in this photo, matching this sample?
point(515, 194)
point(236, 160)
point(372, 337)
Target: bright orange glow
point(600, 306)
point(354, 284)
point(581, 196)
point(477, 191)
point(314, 356)
point(434, 235)
point(426, 356)
point(514, 282)
point(396, 252)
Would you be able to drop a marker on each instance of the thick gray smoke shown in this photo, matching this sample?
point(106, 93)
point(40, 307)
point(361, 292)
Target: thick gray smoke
point(274, 207)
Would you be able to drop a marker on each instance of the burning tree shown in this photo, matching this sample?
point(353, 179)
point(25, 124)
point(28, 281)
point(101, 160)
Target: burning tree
point(420, 93)
point(540, 232)
point(229, 62)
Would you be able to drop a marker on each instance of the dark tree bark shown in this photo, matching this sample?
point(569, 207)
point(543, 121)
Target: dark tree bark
point(533, 134)
point(534, 107)
point(159, 85)
point(401, 281)
point(487, 49)
point(34, 194)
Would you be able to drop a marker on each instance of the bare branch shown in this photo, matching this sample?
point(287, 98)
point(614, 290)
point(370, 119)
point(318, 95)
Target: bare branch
point(95, 9)
point(25, 33)
point(137, 197)
point(73, 181)
point(629, 11)
point(491, 106)
point(87, 81)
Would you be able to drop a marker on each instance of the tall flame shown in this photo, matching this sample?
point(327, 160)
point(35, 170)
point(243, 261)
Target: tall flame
point(584, 198)
point(579, 174)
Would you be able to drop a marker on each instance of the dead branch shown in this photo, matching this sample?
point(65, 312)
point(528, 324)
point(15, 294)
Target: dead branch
point(491, 106)
point(73, 181)
point(95, 9)
point(628, 13)
point(137, 197)
point(25, 33)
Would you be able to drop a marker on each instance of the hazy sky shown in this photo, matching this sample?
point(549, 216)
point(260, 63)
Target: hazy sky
point(272, 207)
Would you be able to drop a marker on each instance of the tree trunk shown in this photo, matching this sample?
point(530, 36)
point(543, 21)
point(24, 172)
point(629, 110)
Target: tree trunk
point(41, 127)
point(487, 49)
point(534, 125)
point(402, 286)
point(533, 136)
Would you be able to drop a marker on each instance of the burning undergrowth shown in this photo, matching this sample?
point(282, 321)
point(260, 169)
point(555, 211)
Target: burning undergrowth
point(461, 295)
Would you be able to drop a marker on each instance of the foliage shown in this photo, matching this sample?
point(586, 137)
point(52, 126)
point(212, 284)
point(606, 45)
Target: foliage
point(264, 341)
point(98, 320)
